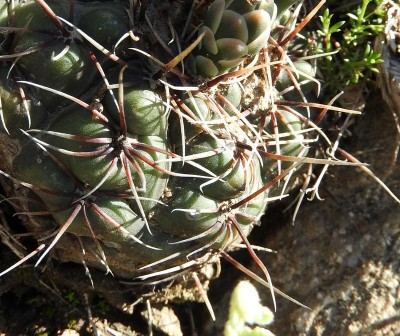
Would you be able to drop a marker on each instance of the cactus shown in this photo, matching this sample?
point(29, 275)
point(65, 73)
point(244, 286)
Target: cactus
point(148, 170)
point(232, 30)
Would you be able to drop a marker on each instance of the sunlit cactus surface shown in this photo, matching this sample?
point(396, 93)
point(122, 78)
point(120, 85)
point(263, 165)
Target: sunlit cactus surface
point(142, 144)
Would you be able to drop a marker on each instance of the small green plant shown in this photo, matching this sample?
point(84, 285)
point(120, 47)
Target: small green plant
point(103, 306)
point(353, 56)
point(41, 332)
point(71, 298)
point(247, 316)
point(72, 323)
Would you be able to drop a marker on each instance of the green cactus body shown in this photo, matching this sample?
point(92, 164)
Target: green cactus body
point(232, 31)
point(290, 141)
point(18, 113)
point(303, 72)
point(131, 170)
point(145, 113)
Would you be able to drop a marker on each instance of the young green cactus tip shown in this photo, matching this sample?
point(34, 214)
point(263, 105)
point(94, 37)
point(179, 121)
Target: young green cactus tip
point(232, 31)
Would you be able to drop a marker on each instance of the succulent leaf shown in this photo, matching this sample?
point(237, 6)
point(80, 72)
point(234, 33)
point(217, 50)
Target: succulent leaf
point(239, 29)
point(258, 23)
point(232, 25)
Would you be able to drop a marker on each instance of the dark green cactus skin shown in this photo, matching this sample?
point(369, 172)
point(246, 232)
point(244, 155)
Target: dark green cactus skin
point(130, 174)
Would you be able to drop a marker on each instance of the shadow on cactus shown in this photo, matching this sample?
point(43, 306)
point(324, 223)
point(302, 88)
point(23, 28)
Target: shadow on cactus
point(144, 165)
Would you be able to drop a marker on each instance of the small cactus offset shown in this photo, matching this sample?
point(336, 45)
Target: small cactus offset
point(146, 158)
point(232, 31)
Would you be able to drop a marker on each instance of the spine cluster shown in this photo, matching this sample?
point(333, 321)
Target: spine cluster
point(149, 166)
